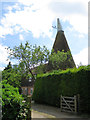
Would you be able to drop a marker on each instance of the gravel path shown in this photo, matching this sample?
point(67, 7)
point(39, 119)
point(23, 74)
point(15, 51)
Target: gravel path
point(43, 111)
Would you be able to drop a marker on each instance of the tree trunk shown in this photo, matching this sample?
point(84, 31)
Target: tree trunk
point(33, 78)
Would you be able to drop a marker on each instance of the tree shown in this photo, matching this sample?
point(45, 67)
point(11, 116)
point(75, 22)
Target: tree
point(12, 75)
point(41, 69)
point(9, 66)
point(60, 60)
point(79, 65)
point(29, 57)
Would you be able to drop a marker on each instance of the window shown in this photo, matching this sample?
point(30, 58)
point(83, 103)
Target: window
point(31, 91)
point(26, 91)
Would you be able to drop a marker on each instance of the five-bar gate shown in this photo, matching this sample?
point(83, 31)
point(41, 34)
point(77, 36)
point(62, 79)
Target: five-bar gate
point(68, 104)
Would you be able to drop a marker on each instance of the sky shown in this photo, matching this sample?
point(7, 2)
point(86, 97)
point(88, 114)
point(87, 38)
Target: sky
point(32, 21)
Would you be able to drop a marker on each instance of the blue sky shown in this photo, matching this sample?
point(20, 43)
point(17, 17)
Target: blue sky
point(32, 20)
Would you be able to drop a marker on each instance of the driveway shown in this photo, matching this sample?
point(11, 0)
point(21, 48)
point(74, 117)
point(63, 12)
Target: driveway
point(44, 111)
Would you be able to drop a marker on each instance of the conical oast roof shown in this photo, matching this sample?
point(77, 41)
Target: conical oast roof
point(61, 44)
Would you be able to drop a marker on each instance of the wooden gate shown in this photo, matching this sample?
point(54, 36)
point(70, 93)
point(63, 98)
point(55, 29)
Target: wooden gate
point(68, 104)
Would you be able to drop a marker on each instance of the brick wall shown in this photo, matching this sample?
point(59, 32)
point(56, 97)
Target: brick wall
point(27, 90)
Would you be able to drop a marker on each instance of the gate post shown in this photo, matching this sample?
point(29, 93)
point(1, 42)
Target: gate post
point(75, 102)
point(61, 102)
point(78, 102)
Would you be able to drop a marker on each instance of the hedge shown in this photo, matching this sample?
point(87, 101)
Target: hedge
point(48, 87)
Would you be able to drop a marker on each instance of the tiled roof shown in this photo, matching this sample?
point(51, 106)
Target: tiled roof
point(26, 82)
point(60, 42)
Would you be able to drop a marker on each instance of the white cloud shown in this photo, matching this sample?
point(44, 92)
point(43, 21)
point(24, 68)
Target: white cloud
point(21, 37)
point(4, 60)
point(35, 4)
point(38, 16)
point(3, 55)
point(39, 22)
point(79, 22)
point(81, 36)
point(74, 11)
point(81, 57)
point(4, 30)
point(9, 1)
point(2, 68)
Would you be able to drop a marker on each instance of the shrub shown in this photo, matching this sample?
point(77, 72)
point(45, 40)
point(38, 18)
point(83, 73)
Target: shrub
point(12, 104)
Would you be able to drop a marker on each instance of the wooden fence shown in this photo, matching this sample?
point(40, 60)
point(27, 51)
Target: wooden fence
point(69, 104)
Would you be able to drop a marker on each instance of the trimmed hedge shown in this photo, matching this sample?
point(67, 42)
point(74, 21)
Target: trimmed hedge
point(70, 82)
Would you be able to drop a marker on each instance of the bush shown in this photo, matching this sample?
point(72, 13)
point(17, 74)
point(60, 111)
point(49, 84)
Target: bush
point(12, 105)
point(49, 87)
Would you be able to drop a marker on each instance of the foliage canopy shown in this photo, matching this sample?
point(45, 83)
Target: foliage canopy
point(29, 56)
point(60, 60)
